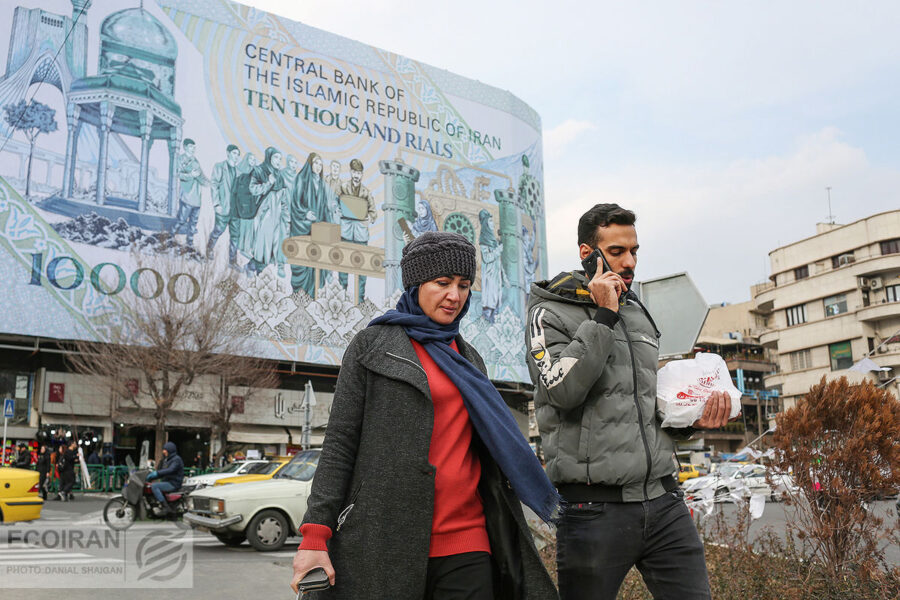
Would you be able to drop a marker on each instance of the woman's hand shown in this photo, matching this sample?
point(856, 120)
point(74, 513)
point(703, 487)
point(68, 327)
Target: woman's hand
point(307, 560)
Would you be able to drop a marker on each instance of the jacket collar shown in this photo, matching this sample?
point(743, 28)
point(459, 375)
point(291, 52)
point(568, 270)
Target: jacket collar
point(391, 354)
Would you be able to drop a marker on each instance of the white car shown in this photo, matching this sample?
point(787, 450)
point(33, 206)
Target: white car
point(739, 481)
point(238, 467)
point(264, 513)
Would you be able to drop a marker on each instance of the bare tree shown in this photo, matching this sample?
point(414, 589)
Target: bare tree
point(177, 324)
point(234, 392)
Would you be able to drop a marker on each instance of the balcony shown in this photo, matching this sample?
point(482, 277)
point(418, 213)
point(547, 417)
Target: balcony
point(878, 312)
point(769, 339)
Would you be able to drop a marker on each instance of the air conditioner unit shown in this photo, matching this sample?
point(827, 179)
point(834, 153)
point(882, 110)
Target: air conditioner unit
point(846, 259)
point(864, 283)
point(875, 283)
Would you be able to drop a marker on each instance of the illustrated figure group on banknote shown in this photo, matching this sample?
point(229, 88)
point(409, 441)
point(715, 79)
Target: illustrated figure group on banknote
point(260, 203)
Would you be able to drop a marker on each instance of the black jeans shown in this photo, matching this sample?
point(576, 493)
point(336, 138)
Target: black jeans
point(597, 543)
point(467, 576)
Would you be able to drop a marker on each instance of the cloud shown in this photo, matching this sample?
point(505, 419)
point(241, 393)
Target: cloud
point(720, 221)
point(559, 138)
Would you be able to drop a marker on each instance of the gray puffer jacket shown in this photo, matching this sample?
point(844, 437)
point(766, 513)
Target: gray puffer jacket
point(595, 401)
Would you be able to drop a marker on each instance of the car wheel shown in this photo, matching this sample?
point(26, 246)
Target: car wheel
point(231, 539)
point(118, 514)
point(267, 531)
point(721, 493)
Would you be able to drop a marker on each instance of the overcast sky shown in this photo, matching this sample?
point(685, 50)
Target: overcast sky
point(719, 123)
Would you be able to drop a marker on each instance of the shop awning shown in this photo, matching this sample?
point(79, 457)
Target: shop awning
point(316, 437)
point(258, 434)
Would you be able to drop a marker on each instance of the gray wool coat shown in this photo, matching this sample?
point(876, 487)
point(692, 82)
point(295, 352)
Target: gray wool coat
point(374, 486)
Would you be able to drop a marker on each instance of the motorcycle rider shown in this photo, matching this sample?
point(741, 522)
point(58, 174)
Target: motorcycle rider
point(171, 474)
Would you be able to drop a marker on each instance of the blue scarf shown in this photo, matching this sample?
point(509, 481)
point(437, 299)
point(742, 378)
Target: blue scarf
point(487, 410)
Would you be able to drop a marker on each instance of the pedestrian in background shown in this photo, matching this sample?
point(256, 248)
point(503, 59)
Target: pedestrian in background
point(43, 469)
point(65, 462)
point(23, 457)
point(442, 499)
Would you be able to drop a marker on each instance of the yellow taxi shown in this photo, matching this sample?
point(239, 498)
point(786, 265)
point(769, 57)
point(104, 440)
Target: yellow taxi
point(688, 471)
point(260, 473)
point(19, 495)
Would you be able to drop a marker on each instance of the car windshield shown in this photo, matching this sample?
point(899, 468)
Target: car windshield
point(229, 468)
point(302, 467)
point(265, 468)
point(726, 470)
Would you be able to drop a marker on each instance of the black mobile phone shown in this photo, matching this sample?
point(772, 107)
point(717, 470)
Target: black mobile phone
point(592, 261)
point(314, 581)
point(590, 264)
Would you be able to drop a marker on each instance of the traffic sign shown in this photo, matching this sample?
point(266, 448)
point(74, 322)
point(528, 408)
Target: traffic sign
point(9, 408)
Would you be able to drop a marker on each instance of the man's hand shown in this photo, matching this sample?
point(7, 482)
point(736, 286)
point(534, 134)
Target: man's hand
point(307, 560)
point(605, 289)
point(715, 413)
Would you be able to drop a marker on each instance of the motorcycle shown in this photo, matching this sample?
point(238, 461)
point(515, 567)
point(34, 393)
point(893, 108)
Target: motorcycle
point(138, 502)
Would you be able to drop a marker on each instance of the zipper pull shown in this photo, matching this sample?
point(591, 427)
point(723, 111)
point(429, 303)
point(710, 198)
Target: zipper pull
point(343, 517)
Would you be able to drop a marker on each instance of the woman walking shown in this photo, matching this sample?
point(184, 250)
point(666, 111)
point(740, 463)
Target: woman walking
point(417, 493)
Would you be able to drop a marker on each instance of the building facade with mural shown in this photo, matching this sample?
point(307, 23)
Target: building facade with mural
point(249, 143)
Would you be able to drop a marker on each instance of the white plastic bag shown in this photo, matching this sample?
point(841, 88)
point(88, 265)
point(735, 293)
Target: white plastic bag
point(684, 386)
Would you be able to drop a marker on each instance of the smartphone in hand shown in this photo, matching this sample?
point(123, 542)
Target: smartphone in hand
point(314, 581)
point(592, 261)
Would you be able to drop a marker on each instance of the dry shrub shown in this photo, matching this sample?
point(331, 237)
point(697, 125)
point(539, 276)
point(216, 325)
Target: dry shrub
point(842, 445)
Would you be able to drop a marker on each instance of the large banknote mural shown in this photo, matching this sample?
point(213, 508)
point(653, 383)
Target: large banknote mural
point(301, 160)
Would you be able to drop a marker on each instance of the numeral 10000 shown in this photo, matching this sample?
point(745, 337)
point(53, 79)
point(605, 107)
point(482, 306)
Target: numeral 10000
point(144, 282)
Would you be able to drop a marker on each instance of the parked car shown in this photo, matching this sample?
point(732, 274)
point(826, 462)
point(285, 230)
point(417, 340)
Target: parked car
point(20, 499)
point(264, 513)
point(744, 480)
point(690, 471)
point(238, 467)
point(259, 473)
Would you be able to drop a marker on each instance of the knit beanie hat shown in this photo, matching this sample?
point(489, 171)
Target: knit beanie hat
point(437, 254)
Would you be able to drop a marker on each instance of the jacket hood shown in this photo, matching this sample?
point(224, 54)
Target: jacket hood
point(568, 286)
point(170, 448)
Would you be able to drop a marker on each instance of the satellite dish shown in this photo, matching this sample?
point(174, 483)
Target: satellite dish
point(678, 309)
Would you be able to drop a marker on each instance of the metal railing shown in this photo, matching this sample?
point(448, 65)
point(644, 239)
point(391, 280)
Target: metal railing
point(106, 479)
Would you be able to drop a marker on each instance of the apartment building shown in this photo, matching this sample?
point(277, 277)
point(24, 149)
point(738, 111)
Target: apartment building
point(833, 299)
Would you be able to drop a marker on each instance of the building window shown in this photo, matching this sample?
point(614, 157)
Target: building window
point(801, 272)
point(835, 305)
point(842, 260)
point(890, 246)
point(796, 315)
point(892, 293)
point(841, 356)
point(801, 359)
point(17, 386)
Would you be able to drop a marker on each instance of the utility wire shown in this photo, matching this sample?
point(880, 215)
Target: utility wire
point(41, 82)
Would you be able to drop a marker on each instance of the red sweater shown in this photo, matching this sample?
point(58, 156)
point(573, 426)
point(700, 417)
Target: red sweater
point(457, 524)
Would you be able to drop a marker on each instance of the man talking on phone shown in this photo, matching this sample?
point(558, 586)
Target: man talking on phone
point(592, 355)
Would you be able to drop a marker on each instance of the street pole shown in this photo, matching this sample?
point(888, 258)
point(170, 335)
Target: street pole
point(3, 458)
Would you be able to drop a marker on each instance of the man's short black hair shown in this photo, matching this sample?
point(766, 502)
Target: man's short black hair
point(602, 215)
point(230, 148)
